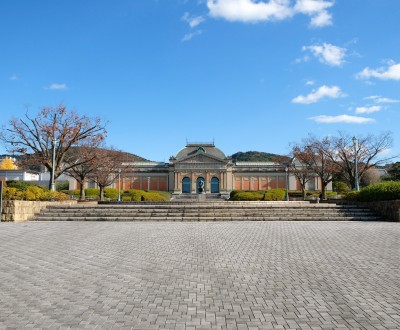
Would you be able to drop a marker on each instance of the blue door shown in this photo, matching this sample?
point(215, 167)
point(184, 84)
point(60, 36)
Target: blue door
point(186, 185)
point(214, 185)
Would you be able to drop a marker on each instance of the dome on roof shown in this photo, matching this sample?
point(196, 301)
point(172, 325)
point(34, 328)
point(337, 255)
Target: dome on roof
point(192, 149)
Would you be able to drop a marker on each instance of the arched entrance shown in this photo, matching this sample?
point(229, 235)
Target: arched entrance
point(214, 185)
point(200, 182)
point(186, 185)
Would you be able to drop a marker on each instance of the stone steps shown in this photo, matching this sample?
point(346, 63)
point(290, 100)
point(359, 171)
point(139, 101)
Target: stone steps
point(216, 211)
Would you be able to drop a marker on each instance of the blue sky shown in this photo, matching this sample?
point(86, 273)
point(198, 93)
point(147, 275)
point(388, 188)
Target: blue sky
point(250, 75)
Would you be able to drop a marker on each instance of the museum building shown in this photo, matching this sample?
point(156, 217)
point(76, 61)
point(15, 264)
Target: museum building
point(206, 166)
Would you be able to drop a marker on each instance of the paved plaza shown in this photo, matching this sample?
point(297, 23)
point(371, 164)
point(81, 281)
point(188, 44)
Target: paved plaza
point(201, 275)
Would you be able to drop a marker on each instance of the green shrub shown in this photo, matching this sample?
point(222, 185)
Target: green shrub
point(75, 192)
point(20, 185)
point(240, 195)
point(132, 195)
point(62, 185)
point(34, 193)
point(91, 192)
point(331, 194)
point(387, 190)
point(150, 196)
point(351, 195)
point(166, 194)
point(11, 193)
point(277, 194)
point(48, 195)
point(111, 193)
point(340, 187)
point(295, 193)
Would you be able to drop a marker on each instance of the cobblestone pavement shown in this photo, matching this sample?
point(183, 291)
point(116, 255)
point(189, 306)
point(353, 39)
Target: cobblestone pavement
point(205, 275)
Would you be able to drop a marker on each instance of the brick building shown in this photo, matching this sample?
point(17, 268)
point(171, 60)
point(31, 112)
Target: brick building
point(203, 162)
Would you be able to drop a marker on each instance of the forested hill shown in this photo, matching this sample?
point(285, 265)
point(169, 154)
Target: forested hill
point(254, 156)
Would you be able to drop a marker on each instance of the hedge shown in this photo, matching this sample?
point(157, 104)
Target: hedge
point(269, 195)
point(20, 185)
point(278, 194)
point(141, 195)
point(387, 190)
point(32, 193)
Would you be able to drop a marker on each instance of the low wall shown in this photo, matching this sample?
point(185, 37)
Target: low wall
point(390, 210)
point(25, 210)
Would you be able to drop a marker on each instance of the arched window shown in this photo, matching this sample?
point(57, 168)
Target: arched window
point(186, 185)
point(214, 185)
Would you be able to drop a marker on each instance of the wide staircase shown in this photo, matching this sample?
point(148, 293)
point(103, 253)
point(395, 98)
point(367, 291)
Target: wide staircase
point(209, 211)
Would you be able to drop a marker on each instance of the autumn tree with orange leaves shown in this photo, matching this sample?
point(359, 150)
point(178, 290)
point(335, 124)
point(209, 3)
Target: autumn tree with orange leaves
point(33, 136)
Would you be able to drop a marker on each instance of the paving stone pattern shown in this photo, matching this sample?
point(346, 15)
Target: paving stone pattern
point(205, 275)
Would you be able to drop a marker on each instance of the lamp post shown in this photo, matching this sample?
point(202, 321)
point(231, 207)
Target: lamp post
point(119, 185)
point(53, 163)
point(287, 182)
point(355, 142)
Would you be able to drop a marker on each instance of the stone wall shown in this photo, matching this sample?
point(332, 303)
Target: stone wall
point(25, 210)
point(389, 210)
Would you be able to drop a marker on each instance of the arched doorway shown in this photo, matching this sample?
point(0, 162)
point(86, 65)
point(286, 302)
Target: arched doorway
point(186, 185)
point(214, 185)
point(199, 184)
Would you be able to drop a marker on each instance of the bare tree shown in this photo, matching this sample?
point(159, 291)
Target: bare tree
point(57, 128)
point(316, 156)
point(367, 151)
point(81, 162)
point(108, 164)
point(300, 167)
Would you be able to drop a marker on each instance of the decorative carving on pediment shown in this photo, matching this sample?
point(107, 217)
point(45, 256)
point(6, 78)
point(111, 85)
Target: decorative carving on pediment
point(201, 159)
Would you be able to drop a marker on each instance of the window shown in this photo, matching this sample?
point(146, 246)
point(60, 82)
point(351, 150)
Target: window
point(214, 185)
point(186, 185)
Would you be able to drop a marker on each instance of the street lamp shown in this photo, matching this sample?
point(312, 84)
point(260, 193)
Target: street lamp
point(287, 182)
point(119, 185)
point(53, 162)
point(355, 143)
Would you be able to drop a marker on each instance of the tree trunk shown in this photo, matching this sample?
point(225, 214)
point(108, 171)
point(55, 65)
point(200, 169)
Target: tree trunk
point(101, 193)
point(323, 190)
point(303, 190)
point(82, 192)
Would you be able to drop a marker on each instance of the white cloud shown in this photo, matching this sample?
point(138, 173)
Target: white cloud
point(312, 7)
point(193, 21)
point(344, 119)
point(327, 53)
point(322, 19)
point(391, 72)
point(316, 95)
point(251, 11)
point(380, 99)
point(371, 109)
point(190, 36)
point(57, 87)
point(14, 77)
point(310, 82)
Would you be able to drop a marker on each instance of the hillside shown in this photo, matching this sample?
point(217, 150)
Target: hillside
point(254, 156)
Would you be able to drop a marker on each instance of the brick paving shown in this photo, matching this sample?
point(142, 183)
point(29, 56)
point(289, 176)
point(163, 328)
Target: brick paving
point(204, 275)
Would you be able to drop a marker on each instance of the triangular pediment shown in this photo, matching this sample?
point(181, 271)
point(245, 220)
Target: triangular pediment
point(201, 158)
